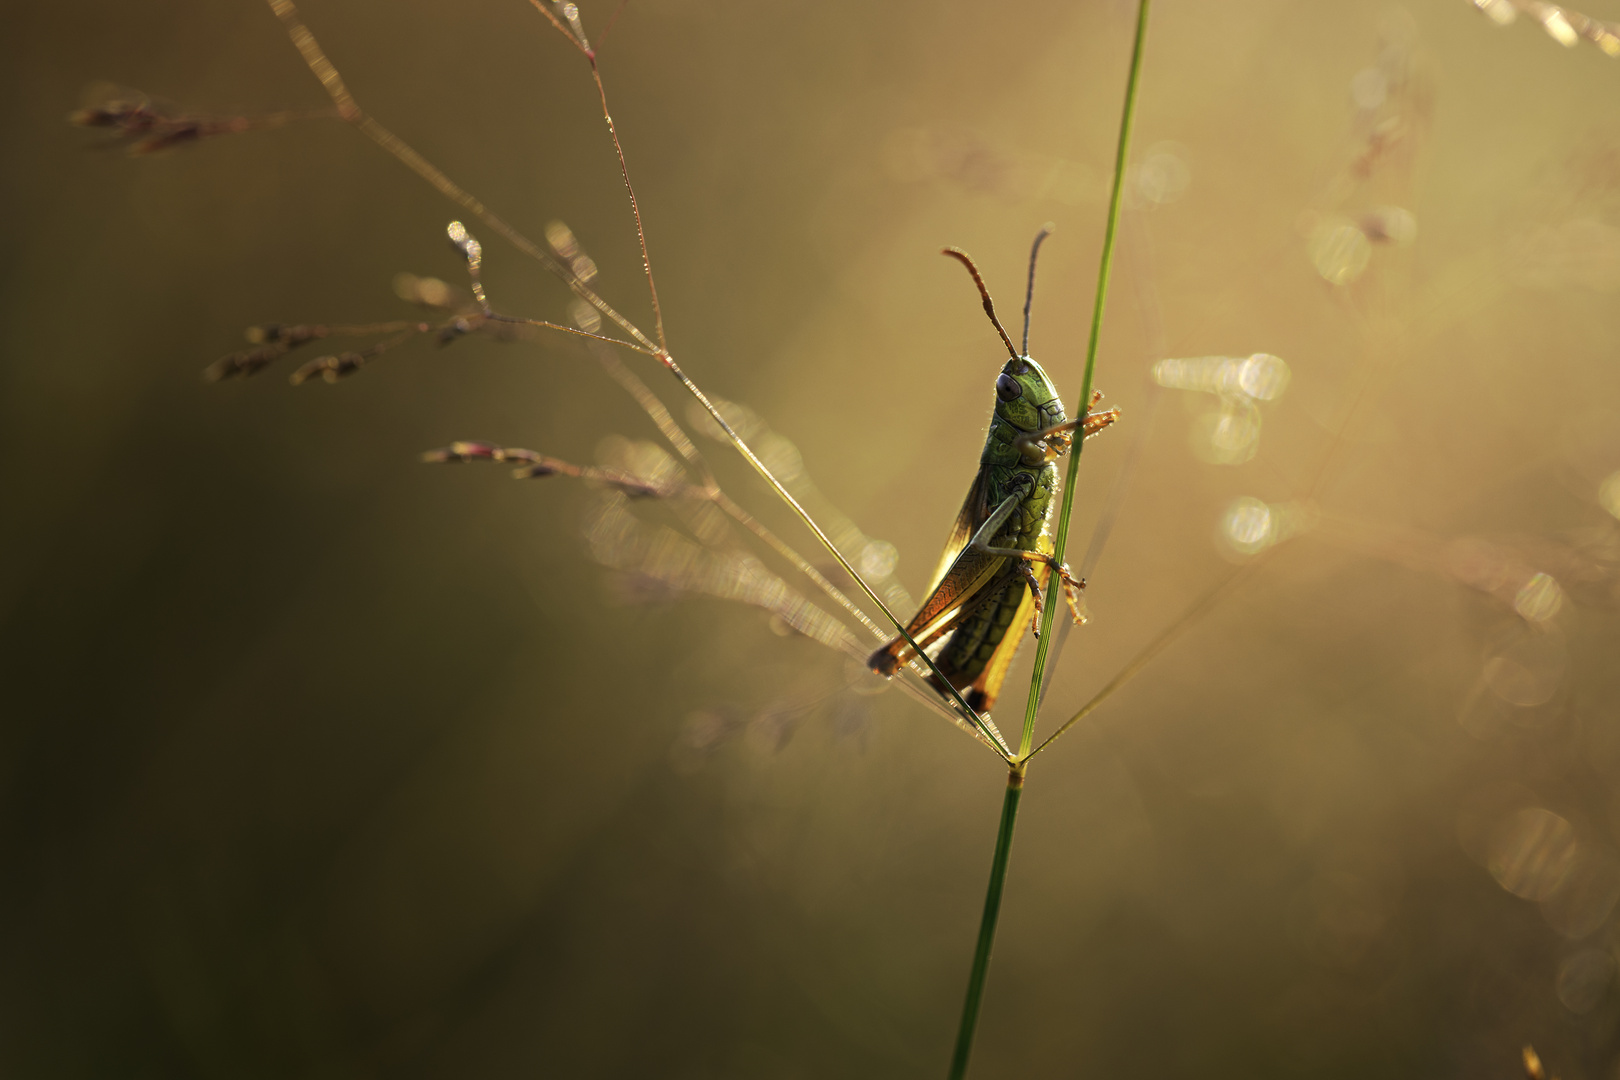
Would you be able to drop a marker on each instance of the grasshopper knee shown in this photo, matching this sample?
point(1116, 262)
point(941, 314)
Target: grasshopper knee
point(884, 662)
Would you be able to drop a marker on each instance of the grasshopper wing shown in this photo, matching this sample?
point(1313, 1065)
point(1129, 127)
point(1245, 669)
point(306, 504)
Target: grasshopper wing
point(962, 582)
point(975, 509)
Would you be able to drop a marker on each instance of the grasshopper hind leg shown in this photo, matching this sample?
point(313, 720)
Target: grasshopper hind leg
point(1073, 588)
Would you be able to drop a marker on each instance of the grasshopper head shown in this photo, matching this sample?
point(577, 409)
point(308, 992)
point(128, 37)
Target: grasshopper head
point(1025, 396)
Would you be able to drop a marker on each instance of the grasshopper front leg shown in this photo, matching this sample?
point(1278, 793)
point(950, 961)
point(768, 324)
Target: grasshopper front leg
point(1029, 443)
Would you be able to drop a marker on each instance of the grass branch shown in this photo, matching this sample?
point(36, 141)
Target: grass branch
point(349, 110)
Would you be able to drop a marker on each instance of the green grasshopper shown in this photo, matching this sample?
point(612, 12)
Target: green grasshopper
point(986, 589)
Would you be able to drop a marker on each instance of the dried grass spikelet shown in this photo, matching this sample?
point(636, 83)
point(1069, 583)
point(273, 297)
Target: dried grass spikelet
point(1564, 25)
point(144, 125)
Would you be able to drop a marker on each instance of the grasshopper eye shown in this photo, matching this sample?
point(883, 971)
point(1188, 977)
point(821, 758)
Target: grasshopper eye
point(1008, 388)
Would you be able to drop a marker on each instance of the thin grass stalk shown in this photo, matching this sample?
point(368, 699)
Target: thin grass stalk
point(987, 924)
point(575, 33)
point(1015, 777)
point(1066, 503)
point(347, 109)
point(1162, 641)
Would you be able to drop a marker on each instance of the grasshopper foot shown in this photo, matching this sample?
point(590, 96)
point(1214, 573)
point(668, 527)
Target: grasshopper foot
point(1074, 590)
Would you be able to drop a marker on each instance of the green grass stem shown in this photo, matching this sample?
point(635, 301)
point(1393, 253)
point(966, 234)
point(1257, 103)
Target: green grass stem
point(1066, 504)
point(987, 924)
point(1015, 778)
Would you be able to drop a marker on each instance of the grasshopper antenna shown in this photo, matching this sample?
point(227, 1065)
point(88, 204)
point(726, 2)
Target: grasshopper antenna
point(1029, 292)
point(989, 306)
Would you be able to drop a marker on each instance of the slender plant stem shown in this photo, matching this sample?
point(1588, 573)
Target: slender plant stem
point(347, 109)
point(1066, 504)
point(1015, 777)
point(987, 924)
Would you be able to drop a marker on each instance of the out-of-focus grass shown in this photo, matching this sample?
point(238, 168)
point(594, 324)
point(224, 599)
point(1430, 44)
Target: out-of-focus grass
point(281, 781)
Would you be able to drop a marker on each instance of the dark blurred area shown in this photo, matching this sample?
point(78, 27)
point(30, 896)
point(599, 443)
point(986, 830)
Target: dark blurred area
point(318, 761)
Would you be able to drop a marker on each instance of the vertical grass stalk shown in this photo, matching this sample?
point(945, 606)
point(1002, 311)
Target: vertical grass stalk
point(1066, 503)
point(1015, 778)
point(987, 924)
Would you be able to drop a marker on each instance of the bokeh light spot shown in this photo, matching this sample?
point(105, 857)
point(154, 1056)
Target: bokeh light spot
point(1262, 376)
point(1527, 669)
point(1609, 494)
point(1247, 525)
point(644, 460)
point(586, 317)
point(1340, 253)
point(1229, 435)
point(1584, 978)
point(1558, 28)
point(1539, 599)
point(1588, 896)
point(426, 291)
point(1161, 176)
point(878, 559)
point(1517, 684)
point(1532, 853)
point(743, 420)
point(780, 456)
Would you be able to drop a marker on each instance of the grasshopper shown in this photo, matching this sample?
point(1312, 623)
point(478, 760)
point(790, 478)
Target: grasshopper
point(987, 589)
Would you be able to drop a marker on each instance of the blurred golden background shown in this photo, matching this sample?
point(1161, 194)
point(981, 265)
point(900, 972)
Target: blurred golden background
point(321, 762)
